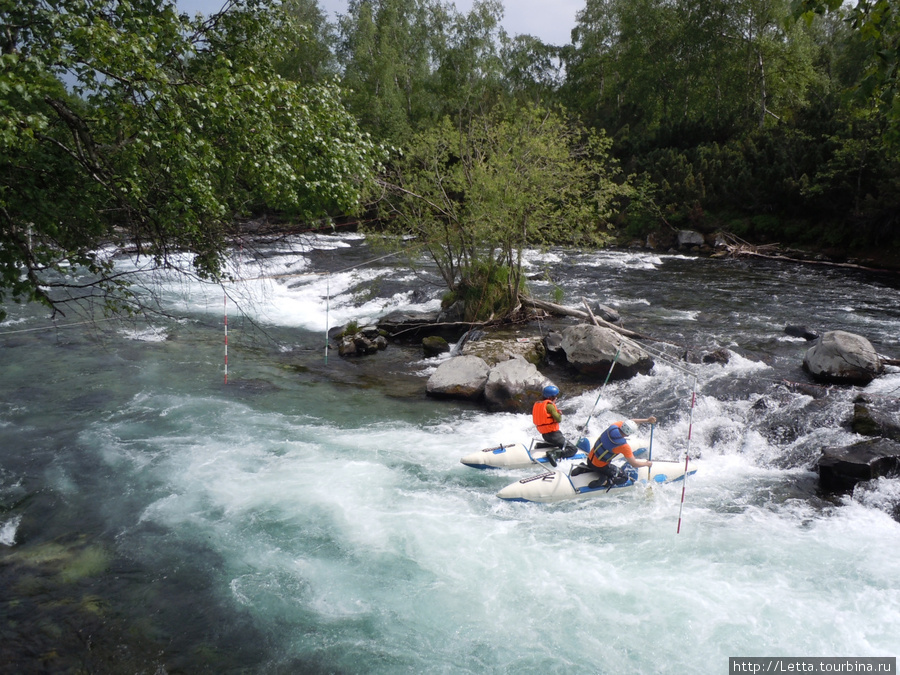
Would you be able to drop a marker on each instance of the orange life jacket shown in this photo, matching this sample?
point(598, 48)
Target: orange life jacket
point(542, 419)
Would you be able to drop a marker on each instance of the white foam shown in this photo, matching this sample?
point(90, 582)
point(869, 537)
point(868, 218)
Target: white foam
point(8, 531)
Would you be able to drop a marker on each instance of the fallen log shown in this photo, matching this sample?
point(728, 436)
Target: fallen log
point(562, 310)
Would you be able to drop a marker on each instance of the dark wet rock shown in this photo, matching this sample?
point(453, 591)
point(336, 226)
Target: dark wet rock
point(718, 356)
point(553, 343)
point(413, 326)
point(366, 340)
point(606, 313)
point(843, 358)
point(690, 356)
point(840, 469)
point(876, 416)
point(433, 345)
point(761, 404)
point(461, 377)
point(513, 386)
point(800, 332)
point(591, 350)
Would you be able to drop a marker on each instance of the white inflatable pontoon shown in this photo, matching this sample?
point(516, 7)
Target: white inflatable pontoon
point(515, 456)
point(559, 485)
point(527, 455)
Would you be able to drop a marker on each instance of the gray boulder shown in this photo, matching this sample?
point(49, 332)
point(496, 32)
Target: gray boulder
point(843, 358)
point(690, 239)
point(513, 386)
point(591, 350)
point(459, 377)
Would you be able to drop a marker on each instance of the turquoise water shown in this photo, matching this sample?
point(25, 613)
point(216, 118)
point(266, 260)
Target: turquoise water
point(313, 516)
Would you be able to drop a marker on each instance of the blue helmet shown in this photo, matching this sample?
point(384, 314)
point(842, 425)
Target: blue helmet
point(550, 391)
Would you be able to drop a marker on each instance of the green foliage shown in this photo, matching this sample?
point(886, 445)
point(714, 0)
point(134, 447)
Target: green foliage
point(477, 196)
point(482, 293)
point(877, 22)
point(126, 123)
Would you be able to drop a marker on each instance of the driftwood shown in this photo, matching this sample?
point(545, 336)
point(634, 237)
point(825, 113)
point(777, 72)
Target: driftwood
point(738, 248)
point(562, 310)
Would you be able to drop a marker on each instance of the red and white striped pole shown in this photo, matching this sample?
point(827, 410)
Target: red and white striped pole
point(226, 338)
point(687, 455)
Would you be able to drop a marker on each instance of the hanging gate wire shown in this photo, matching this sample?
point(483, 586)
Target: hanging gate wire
point(600, 393)
point(687, 454)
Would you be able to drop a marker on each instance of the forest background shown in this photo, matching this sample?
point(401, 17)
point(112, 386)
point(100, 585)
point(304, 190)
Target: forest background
point(770, 120)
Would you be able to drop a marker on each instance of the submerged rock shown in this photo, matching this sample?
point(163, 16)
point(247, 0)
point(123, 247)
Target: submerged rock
point(876, 416)
point(800, 332)
point(840, 469)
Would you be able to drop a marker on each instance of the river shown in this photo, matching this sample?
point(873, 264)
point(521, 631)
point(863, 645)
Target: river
point(310, 514)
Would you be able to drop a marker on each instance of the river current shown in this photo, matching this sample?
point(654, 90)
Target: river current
point(304, 513)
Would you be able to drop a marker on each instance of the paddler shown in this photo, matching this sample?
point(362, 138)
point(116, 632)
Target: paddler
point(612, 442)
point(546, 417)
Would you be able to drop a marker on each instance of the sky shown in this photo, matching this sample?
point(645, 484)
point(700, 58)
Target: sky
point(550, 20)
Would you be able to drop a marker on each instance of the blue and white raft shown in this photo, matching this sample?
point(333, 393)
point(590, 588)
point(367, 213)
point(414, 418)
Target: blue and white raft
point(516, 456)
point(559, 485)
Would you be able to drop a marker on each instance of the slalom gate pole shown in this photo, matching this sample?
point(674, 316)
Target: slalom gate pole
point(687, 454)
point(327, 303)
point(226, 338)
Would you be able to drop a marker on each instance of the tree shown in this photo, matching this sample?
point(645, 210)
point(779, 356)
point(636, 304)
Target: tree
point(686, 70)
point(386, 51)
point(311, 58)
point(477, 197)
point(878, 24)
point(126, 124)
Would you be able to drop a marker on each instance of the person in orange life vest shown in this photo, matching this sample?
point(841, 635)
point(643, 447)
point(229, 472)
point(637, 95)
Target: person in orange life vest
point(546, 418)
point(614, 442)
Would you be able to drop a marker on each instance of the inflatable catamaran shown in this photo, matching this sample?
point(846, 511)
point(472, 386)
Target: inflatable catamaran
point(559, 485)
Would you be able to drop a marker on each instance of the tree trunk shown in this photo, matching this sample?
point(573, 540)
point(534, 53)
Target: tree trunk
point(562, 310)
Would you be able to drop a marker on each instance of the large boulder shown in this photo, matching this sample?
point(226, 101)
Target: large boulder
point(840, 469)
point(459, 377)
point(513, 386)
point(843, 358)
point(592, 349)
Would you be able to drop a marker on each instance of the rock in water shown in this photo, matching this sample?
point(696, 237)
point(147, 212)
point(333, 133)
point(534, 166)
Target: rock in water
point(843, 358)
